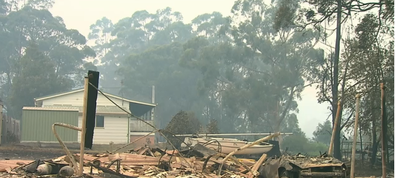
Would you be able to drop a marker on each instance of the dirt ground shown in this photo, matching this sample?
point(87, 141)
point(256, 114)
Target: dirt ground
point(26, 153)
point(365, 169)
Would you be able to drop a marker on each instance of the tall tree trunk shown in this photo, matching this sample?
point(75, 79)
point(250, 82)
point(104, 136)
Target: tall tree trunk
point(337, 143)
point(375, 145)
point(361, 141)
point(374, 150)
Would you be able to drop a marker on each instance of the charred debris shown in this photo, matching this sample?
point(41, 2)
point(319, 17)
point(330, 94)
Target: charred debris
point(197, 162)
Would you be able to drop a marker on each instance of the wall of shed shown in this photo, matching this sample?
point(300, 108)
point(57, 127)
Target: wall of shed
point(37, 125)
point(76, 99)
point(139, 126)
point(115, 130)
point(148, 140)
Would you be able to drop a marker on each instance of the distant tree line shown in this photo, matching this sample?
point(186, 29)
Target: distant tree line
point(245, 71)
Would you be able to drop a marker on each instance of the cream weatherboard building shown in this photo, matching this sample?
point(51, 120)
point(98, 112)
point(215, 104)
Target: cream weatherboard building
point(112, 123)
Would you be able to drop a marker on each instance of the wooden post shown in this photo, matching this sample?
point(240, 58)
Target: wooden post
point(330, 152)
point(383, 131)
point(256, 166)
point(352, 175)
point(83, 127)
point(361, 142)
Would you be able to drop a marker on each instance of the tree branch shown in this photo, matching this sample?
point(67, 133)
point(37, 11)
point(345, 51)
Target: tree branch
point(286, 109)
point(323, 89)
point(344, 81)
point(345, 123)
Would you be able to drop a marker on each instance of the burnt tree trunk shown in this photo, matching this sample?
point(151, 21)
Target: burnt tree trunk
point(375, 142)
point(337, 143)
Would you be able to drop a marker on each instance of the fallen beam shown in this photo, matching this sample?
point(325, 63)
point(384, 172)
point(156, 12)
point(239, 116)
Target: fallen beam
point(246, 146)
point(106, 170)
point(257, 166)
point(322, 174)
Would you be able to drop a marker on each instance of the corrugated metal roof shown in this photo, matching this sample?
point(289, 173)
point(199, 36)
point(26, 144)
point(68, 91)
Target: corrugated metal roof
point(51, 108)
point(99, 109)
point(81, 90)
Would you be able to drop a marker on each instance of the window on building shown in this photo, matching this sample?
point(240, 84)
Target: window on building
point(99, 121)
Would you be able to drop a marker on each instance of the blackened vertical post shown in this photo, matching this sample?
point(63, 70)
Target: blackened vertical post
point(383, 130)
point(93, 79)
point(352, 175)
point(83, 127)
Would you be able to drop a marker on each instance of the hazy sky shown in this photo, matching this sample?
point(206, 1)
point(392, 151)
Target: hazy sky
point(80, 14)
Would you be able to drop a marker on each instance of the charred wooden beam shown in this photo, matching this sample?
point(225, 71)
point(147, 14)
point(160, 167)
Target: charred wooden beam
point(322, 174)
point(106, 170)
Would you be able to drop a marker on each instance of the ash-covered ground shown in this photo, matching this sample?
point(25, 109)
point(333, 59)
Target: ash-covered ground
point(28, 153)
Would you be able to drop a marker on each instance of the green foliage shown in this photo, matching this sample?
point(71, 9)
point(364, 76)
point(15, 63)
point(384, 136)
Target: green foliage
point(285, 14)
point(332, 74)
point(300, 144)
point(389, 12)
point(133, 35)
point(257, 75)
point(295, 144)
point(371, 63)
point(64, 48)
point(158, 66)
point(291, 125)
point(211, 127)
point(314, 148)
point(323, 133)
point(184, 123)
point(37, 77)
point(213, 27)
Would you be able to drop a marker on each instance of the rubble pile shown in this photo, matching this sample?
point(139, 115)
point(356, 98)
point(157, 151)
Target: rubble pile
point(302, 166)
point(197, 162)
point(141, 162)
point(305, 162)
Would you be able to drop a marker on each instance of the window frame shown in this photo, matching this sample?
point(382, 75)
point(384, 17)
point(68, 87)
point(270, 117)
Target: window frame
point(96, 121)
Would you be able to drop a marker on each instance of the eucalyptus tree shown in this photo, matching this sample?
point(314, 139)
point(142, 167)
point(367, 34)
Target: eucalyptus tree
point(32, 81)
point(209, 28)
point(132, 35)
point(101, 35)
point(31, 22)
point(323, 132)
point(159, 66)
point(214, 26)
point(371, 59)
point(319, 15)
point(258, 74)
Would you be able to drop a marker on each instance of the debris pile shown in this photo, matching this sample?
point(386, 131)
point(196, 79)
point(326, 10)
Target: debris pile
point(141, 162)
point(302, 166)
